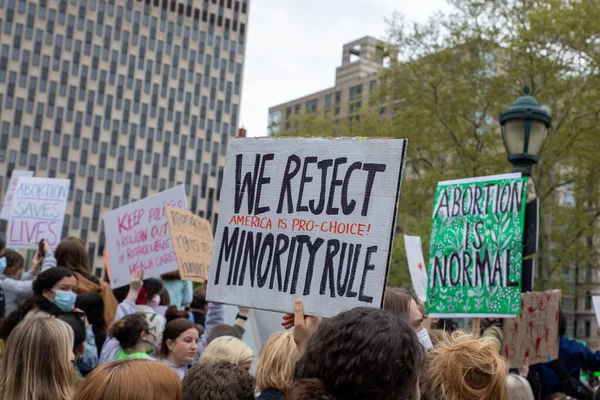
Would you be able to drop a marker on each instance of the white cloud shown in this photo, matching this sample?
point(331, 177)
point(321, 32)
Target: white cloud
point(294, 46)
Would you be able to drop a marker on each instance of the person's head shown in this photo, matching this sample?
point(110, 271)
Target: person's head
point(150, 293)
point(77, 324)
point(171, 276)
point(277, 362)
point(308, 389)
point(173, 313)
point(131, 379)
point(230, 349)
point(58, 285)
point(53, 293)
point(401, 302)
point(133, 331)
point(199, 300)
point(218, 381)
point(518, 388)
point(71, 253)
point(15, 264)
point(38, 361)
point(180, 342)
point(364, 353)
point(93, 306)
point(465, 368)
point(221, 330)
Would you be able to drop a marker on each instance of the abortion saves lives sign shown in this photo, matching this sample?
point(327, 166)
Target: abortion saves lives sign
point(306, 218)
point(138, 237)
point(37, 212)
point(476, 247)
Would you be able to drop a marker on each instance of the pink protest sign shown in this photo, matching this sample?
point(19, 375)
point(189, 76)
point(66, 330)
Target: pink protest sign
point(37, 212)
point(138, 237)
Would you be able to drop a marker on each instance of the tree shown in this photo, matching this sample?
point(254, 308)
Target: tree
point(448, 81)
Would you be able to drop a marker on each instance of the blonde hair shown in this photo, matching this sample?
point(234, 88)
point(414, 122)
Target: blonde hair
point(37, 361)
point(131, 379)
point(277, 361)
point(518, 388)
point(227, 348)
point(461, 367)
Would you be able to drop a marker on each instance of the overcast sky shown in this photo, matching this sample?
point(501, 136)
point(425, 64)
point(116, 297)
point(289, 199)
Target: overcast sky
point(294, 46)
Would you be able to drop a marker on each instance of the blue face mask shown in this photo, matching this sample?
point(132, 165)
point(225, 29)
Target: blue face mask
point(64, 300)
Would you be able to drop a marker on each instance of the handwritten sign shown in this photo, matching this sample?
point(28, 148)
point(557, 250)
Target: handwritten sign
point(532, 337)
point(476, 247)
point(416, 265)
point(137, 237)
point(12, 186)
point(306, 218)
point(37, 212)
point(192, 242)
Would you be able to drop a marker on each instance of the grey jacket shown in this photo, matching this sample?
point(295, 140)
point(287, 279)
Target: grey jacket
point(15, 290)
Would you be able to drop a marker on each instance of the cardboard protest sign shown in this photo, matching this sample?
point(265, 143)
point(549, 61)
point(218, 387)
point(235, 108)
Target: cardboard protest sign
point(532, 337)
point(596, 302)
point(476, 247)
point(192, 242)
point(12, 186)
point(37, 212)
point(416, 265)
point(306, 218)
point(137, 237)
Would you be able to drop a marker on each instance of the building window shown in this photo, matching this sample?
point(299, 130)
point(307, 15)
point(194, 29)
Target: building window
point(588, 329)
point(311, 106)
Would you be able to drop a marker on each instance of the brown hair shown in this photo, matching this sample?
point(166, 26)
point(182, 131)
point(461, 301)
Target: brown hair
point(173, 313)
point(14, 261)
point(277, 362)
point(218, 381)
point(128, 330)
point(171, 276)
point(71, 253)
point(131, 379)
point(36, 363)
point(397, 301)
point(308, 389)
point(464, 368)
point(199, 299)
point(221, 330)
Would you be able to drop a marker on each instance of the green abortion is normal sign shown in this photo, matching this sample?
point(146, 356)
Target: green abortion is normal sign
point(476, 247)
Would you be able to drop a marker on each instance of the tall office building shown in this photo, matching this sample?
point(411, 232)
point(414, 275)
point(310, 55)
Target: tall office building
point(355, 80)
point(125, 98)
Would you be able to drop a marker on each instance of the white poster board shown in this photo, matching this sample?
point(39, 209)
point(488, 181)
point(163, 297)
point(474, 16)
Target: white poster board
point(37, 212)
point(138, 237)
point(306, 218)
point(10, 192)
point(416, 265)
point(596, 301)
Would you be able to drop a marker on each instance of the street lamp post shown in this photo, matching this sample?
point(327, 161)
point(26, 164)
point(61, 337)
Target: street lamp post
point(524, 127)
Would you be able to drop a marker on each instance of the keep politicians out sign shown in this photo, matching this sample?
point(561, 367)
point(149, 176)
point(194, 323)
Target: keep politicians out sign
point(192, 240)
point(476, 247)
point(138, 239)
point(37, 212)
point(306, 218)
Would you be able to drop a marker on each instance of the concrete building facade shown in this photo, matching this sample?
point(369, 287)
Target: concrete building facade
point(355, 80)
point(125, 98)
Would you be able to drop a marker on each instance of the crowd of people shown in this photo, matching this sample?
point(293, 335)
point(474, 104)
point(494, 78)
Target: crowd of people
point(66, 335)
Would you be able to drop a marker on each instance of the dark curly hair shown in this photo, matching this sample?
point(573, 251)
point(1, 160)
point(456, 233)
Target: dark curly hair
point(218, 381)
point(308, 389)
point(364, 354)
point(128, 330)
